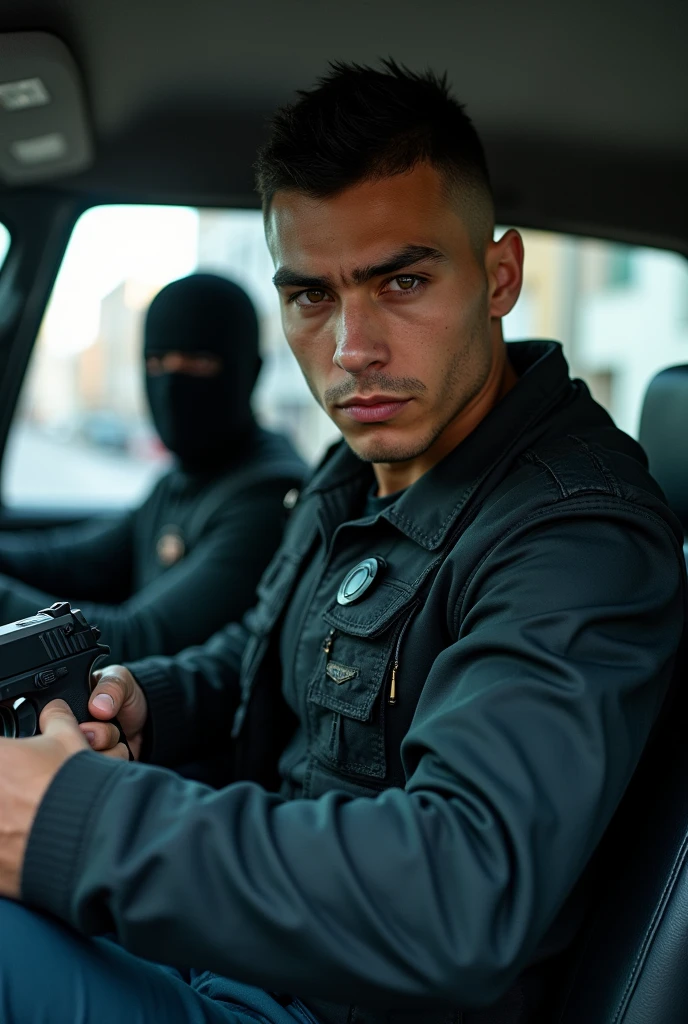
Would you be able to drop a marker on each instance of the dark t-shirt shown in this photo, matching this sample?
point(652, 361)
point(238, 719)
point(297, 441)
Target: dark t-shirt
point(373, 504)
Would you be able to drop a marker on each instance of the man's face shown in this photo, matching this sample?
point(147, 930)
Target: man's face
point(386, 307)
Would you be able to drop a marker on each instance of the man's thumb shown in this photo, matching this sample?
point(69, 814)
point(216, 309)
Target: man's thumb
point(58, 721)
point(108, 695)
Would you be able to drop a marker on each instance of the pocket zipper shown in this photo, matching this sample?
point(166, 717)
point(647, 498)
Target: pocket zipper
point(327, 643)
point(392, 699)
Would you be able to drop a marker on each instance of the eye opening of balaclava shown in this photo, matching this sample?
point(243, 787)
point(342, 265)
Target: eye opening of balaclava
point(206, 421)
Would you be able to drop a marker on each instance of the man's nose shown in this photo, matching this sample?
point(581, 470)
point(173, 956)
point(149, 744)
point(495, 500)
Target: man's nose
point(358, 342)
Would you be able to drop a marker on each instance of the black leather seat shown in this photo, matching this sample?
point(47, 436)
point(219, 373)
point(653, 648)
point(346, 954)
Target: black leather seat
point(631, 965)
point(664, 436)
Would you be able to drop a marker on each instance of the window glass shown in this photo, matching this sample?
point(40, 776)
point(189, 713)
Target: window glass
point(4, 243)
point(620, 312)
point(81, 435)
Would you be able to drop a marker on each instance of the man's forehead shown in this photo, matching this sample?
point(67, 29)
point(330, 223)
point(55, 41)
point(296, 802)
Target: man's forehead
point(360, 227)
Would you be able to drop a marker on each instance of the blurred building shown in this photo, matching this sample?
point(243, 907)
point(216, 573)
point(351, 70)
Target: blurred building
point(633, 321)
point(233, 244)
point(620, 311)
point(111, 369)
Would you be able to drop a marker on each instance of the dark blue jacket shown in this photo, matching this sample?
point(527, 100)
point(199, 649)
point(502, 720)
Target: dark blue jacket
point(530, 609)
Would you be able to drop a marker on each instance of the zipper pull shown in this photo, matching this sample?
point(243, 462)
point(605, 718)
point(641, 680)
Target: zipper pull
point(392, 699)
point(393, 685)
point(327, 643)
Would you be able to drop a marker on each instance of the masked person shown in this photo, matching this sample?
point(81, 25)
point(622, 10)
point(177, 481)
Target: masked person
point(454, 663)
point(168, 574)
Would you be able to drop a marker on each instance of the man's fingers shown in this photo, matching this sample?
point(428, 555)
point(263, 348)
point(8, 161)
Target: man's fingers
point(120, 752)
point(113, 687)
point(101, 735)
point(116, 692)
point(56, 715)
point(58, 722)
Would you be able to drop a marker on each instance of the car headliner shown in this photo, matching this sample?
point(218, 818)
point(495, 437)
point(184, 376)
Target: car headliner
point(583, 107)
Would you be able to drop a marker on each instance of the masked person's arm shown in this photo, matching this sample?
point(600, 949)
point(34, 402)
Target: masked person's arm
point(529, 728)
point(212, 585)
point(90, 561)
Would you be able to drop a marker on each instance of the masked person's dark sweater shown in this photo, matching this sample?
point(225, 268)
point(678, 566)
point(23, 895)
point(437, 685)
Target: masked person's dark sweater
point(168, 574)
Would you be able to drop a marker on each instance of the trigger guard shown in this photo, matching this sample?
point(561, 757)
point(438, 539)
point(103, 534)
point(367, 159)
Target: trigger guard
point(93, 668)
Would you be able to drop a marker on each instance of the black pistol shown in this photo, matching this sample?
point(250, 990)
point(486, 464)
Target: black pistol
point(49, 655)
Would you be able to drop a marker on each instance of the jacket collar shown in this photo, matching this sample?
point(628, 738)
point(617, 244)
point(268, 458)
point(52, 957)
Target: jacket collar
point(426, 511)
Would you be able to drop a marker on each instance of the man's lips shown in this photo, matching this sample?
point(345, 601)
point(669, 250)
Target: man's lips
point(374, 409)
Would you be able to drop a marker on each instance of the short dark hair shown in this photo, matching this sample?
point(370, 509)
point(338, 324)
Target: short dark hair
point(360, 123)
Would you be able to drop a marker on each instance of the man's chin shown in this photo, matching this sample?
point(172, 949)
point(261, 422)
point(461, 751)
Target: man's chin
point(382, 449)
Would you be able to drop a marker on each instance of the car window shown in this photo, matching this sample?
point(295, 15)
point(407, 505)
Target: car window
point(4, 243)
point(81, 435)
point(621, 312)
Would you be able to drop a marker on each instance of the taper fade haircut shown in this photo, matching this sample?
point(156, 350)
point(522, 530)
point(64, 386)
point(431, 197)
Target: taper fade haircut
point(363, 124)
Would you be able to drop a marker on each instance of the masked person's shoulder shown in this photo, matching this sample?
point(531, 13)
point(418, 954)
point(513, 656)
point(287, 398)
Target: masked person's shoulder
point(269, 470)
point(277, 453)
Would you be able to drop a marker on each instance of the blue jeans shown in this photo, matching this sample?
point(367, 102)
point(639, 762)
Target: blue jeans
point(51, 975)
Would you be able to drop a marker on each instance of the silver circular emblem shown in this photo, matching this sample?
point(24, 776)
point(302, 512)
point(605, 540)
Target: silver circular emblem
point(359, 579)
point(290, 498)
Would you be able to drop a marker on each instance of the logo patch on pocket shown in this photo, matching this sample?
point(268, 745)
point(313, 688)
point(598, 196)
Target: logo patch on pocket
point(340, 673)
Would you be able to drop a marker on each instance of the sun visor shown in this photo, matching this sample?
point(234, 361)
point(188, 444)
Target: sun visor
point(44, 131)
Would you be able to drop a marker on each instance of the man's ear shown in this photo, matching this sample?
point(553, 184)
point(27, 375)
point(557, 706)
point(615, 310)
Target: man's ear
point(504, 268)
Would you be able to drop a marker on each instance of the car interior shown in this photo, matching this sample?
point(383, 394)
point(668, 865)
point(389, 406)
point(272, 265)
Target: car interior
point(139, 107)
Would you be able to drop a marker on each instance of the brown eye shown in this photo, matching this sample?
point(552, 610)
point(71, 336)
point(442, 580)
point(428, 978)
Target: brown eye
point(406, 283)
point(310, 297)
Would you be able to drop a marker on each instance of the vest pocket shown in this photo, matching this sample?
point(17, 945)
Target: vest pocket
point(347, 692)
point(345, 717)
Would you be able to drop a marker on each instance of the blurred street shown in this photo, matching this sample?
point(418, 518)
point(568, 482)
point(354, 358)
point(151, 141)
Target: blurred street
point(46, 472)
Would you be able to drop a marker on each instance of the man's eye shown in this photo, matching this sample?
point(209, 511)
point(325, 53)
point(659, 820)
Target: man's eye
point(405, 283)
point(311, 297)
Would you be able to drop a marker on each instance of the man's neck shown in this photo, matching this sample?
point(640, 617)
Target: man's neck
point(396, 476)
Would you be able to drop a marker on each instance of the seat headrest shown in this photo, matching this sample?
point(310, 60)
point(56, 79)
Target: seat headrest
point(664, 436)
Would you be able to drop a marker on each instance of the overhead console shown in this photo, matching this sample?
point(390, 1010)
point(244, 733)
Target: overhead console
point(44, 129)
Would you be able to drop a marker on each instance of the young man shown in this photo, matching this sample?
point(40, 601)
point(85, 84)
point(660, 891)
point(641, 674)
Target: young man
point(448, 679)
point(173, 571)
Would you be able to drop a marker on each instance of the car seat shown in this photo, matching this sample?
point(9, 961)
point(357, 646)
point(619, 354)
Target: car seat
point(664, 436)
point(630, 965)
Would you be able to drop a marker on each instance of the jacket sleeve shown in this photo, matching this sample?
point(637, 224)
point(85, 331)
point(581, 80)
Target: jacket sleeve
point(528, 730)
point(192, 697)
point(91, 560)
point(211, 586)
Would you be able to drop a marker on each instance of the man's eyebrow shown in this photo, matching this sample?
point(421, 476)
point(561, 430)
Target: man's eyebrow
point(288, 278)
point(406, 257)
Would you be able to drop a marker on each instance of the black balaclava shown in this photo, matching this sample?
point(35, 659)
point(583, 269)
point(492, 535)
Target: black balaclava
point(206, 421)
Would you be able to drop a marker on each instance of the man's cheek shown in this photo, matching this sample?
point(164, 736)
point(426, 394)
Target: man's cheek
point(313, 356)
point(305, 360)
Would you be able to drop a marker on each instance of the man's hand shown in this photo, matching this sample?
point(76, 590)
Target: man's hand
point(116, 694)
point(27, 767)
